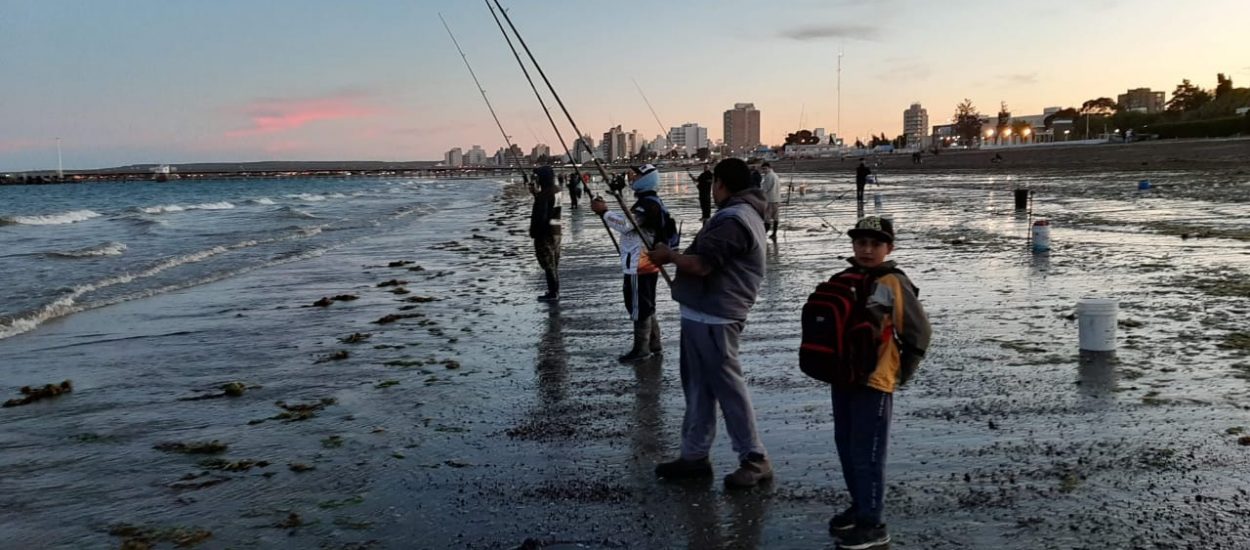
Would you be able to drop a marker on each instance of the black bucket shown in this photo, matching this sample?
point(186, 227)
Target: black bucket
point(1022, 199)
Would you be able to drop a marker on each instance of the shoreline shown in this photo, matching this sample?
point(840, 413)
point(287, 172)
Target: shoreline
point(1005, 438)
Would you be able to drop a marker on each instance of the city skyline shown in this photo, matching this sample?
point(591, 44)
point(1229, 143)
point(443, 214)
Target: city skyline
point(232, 81)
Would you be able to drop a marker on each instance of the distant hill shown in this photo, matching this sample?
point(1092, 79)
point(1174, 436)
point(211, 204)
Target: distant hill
point(270, 166)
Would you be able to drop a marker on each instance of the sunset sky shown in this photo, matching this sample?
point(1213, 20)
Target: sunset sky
point(155, 81)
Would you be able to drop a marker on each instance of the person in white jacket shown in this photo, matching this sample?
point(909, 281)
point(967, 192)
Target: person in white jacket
point(772, 192)
point(640, 274)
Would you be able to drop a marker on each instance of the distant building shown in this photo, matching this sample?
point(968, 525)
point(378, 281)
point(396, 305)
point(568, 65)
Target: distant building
point(689, 137)
point(821, 134)
point(661, 144)
point(615, 144)
point(1141, 100)
point(540, 151)
point(453, 157)
point(500, 158)
point(916, 125)
point(742, 128)
point(475, 157)
point(582, 149)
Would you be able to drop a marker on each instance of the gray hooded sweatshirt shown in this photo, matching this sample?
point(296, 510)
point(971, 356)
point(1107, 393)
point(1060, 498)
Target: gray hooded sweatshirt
point(732, 244)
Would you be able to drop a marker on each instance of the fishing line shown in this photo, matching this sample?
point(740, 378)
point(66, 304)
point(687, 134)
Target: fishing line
point(554, 126)
point(551, 88)
point(506, 139)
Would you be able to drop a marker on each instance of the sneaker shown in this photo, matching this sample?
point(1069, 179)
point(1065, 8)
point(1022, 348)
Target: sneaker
point(633, 357)
point(843, 522)
point(750, 472)
point(862, 538)
point(684, 469)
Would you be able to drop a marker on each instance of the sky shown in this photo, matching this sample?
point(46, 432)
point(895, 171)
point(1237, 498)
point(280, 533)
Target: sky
point(158, 81)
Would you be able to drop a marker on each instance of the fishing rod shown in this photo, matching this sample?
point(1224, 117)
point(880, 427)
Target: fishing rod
point(506, 139)
point(602, 171)
point(554, 126)
point(659, 122)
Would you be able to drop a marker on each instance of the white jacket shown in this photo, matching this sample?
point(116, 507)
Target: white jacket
point(630, 242)
point(771, 187)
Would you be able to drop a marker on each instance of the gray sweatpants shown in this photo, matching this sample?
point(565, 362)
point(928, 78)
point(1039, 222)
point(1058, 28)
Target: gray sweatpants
point(710, 373)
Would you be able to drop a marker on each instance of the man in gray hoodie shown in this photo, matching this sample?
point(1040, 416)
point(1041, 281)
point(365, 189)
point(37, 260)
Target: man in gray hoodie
point(718, 278)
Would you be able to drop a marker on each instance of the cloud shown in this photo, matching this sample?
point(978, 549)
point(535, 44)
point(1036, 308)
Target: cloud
point(272, 116)
point(894, 68)
point(15, 145)
point(1018, 79)
point(821, 32)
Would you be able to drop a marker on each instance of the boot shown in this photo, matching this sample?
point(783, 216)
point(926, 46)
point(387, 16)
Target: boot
point(657, 347)
point(774, 235)
point(642, 348)
point(553, 287)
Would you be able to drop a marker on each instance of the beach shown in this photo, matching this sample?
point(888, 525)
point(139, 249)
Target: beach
point(477, 417)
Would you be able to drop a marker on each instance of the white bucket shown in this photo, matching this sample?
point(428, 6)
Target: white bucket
point(1096, 318)
point(1041, 236)
point(876, 200)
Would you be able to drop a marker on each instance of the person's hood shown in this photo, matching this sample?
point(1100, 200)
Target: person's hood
point(546, 176)
point(753, 197)
point(649, 181)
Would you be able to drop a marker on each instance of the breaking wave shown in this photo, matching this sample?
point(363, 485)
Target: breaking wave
point(50, 219)
point(163, 209)
point(111, 248)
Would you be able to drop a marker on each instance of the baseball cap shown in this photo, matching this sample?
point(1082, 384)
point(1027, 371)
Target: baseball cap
point(644, 169)
point(876, 227)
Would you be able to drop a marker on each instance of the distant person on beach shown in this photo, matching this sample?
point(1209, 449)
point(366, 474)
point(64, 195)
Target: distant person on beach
point(772, 192)
point(915, 157)
point(862, 409)
point(861, 180)
point(998, 158)
point(640, 274)
point(757, 179)
point(545, 229)
point(704, 184)
point(575, 189)
point(718, 278)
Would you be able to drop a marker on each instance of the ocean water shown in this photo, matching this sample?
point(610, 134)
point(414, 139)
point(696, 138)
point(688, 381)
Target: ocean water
point(70, 248)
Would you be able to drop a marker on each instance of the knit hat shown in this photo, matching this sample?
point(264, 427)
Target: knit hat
point(648, 181)
point(875, 227)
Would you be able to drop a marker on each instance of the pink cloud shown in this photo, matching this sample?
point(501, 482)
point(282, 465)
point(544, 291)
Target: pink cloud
point(271, 116)
point(15, 145)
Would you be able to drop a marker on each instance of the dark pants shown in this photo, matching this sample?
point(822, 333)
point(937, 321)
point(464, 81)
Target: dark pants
point(639, 293)
point(575, 193)
point(705, 205)
point(548, 253)
point(859, 191)
point(861, 429)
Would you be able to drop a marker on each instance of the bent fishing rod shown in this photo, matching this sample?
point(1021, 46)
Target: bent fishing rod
point(554, 126)
point(648, 243)
point(506, 139)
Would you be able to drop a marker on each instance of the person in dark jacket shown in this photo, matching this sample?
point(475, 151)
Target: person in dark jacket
point(718, 278)
point(704, 184)
point(861, 180)
point(575, 188)
point(545, 229)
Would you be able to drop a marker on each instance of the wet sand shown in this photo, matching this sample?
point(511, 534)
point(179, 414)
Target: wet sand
point(1005, 439)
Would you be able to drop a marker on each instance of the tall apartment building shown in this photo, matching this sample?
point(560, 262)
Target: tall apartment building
point(1141, 100)
point(615, 144)
point(742, 127)
point(582, 149)
point(689, 136)
point(916, 125)
point(539, 151)
point(454, 157)
point(475, 157)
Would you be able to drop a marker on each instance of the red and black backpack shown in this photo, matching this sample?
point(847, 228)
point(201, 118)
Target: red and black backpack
point(840, 337)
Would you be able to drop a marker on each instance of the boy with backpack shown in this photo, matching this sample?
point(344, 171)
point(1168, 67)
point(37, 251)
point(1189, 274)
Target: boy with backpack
point(640, 273)
point(864, 332)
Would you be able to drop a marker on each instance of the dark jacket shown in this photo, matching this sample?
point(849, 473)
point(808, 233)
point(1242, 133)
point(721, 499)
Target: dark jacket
point(545, 214)
point(861, 174)
point(705, 187)
point(732, 244)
